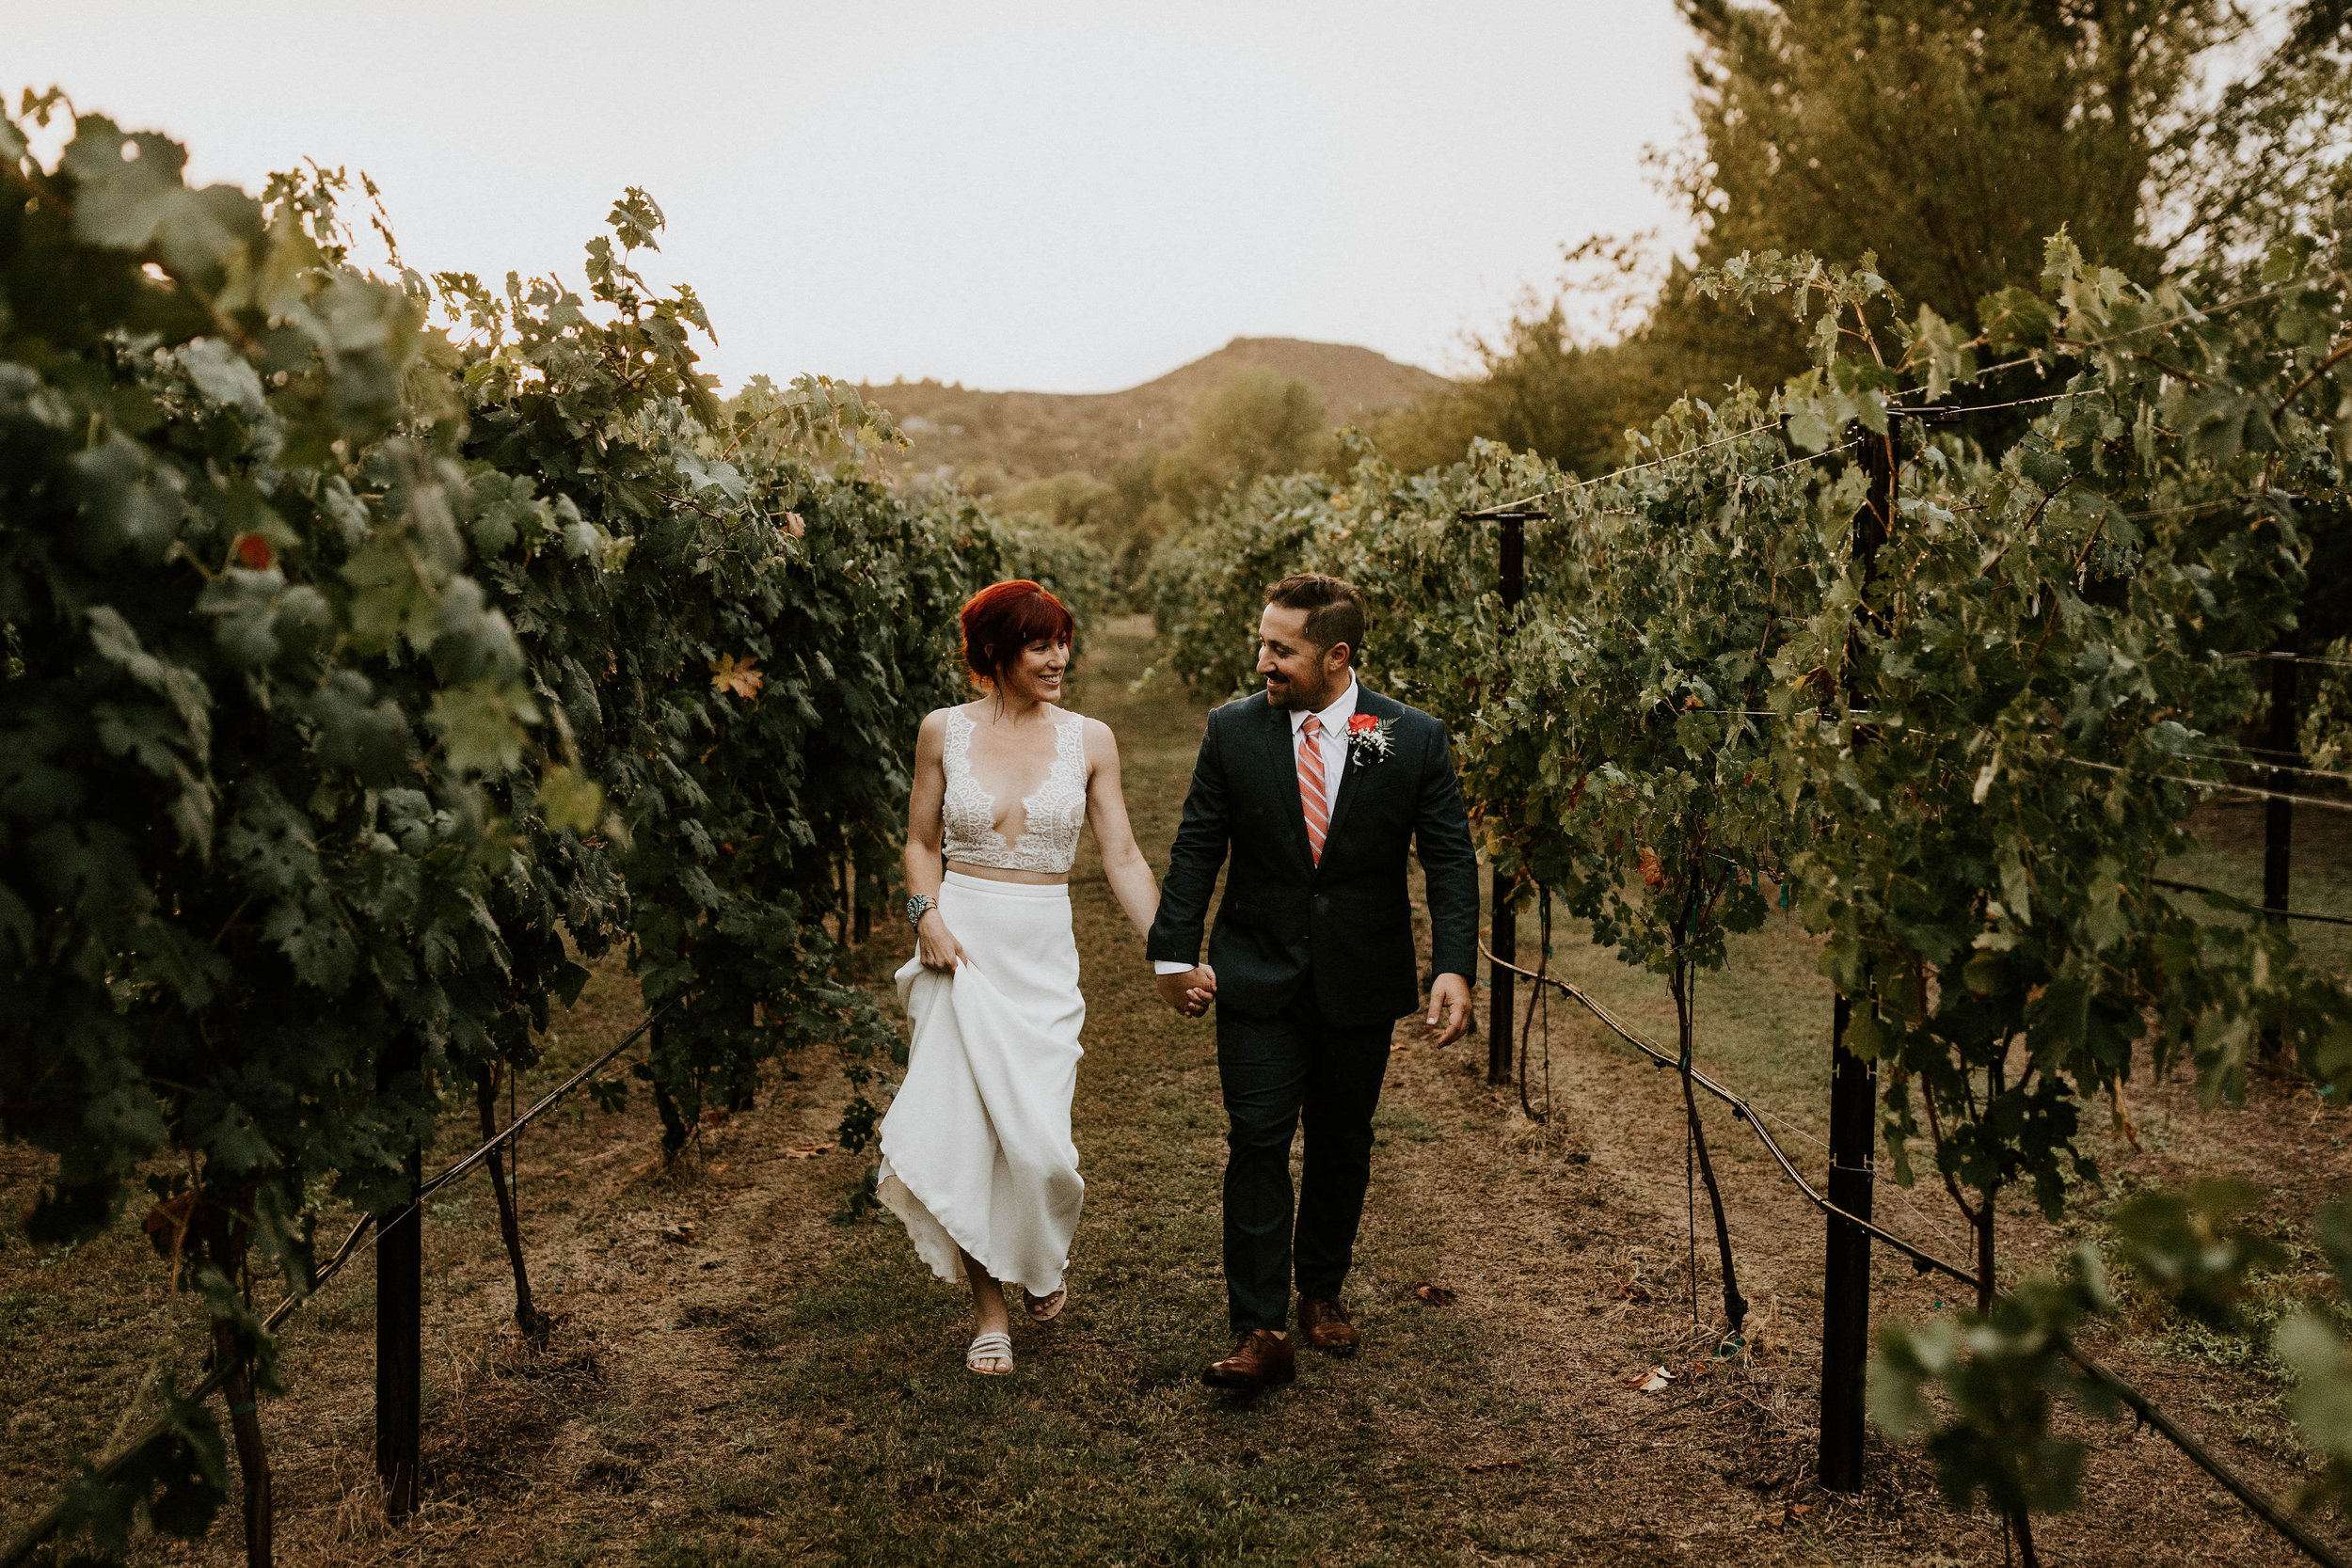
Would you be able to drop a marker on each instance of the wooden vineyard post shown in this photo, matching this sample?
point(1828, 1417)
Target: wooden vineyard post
point(2285, 753)
point(1846, 1279)
point(1852, 1103)
point(2278, 810)
point(1503, 941)
point(399, 1324)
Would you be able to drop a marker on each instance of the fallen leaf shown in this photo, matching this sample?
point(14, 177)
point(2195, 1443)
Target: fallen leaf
point(682, 1234)
point(808, 1152)
point(1651, 1381)
point(715, 1116)
point(564, 1174)
point(1497, 1464)
point(729, 674)
point(1435, 1296)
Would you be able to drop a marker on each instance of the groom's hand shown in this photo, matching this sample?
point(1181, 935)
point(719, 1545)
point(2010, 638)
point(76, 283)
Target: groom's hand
point(1189, 992)
point(1450, 1000)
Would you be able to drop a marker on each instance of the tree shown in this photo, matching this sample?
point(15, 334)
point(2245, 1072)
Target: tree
point(1259, 422)
point(1543, 390)
point(1949, 140)
point(2270, 151)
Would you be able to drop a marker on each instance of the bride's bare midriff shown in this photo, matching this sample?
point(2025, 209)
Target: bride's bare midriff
point(998, 874)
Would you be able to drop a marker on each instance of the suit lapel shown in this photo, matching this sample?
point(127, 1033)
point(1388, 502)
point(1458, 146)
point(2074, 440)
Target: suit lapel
point(1284, 763)
point(1367, 701)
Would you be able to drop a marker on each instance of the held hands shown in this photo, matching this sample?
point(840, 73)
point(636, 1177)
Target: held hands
point(1449, 998)
point(1189, 992)
point(935, 944)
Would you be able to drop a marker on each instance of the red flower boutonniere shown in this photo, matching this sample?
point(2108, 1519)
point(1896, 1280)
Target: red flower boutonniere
point(1368, 737)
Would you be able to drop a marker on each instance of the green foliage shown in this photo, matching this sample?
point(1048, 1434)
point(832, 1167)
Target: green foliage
point(2157, 135)
point(2047, 673)
point(2311, 1341)
point(1545, 386)
point(2268, 152)
point(1997, 1375)
point(174, 1482)
point(1965, 737)
point(1070, 565)
point(2190, 1246)
point(244, 835)
point(1392, 534)
point(361, 672)
point(1812, 140)
point(1629, 734)
point(1259, 422)
point(2326, 712)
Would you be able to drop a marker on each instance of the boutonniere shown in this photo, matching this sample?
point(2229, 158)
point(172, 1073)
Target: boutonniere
point(1368, 737)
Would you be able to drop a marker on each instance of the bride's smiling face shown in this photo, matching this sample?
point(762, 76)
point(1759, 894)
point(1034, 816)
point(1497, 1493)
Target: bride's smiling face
point(1036, 675)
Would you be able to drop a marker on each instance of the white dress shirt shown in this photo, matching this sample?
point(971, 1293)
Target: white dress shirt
point(1332, 742)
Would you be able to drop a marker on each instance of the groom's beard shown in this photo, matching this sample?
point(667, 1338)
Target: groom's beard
point(1294, 697)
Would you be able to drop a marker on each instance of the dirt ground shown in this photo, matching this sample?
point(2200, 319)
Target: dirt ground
point(746, 1374)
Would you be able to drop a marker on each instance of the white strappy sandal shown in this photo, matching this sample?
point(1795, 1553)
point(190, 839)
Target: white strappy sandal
point(1044, 1309)
point(989, 1347)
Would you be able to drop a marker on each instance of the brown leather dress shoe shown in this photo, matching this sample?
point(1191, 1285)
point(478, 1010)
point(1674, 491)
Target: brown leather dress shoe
point(1260, 1357)
point(1323, 1324)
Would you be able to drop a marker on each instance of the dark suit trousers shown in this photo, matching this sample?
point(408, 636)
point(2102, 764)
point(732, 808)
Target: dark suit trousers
point(1277, 1072)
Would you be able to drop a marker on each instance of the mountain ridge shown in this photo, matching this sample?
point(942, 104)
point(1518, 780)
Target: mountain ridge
point(1026, 436)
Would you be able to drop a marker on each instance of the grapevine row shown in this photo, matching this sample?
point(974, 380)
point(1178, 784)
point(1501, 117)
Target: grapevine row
point(1964, 734)
point(379, 652)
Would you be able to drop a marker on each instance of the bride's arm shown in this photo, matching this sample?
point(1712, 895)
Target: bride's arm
point(1123, 865)
point(926, 865)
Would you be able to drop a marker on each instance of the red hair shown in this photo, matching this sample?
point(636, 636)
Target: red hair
point(1004, 618)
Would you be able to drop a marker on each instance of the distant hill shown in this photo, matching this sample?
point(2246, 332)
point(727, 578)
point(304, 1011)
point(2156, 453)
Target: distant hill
point(1035, 435)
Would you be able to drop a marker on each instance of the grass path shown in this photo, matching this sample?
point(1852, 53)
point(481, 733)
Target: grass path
point(743, 1380)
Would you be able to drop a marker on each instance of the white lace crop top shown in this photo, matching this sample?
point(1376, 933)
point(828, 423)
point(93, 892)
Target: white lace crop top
point(1054, 810)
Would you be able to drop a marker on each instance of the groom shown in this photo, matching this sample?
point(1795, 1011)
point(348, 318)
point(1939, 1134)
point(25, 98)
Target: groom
point(1317, 788)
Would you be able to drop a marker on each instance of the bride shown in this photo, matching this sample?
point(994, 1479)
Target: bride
point(976, 1153)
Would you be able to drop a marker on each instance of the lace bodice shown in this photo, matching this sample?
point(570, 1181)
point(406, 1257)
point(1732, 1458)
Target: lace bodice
point(1054, 810)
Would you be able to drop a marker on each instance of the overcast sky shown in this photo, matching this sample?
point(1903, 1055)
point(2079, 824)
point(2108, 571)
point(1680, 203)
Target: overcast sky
point(1060, 197)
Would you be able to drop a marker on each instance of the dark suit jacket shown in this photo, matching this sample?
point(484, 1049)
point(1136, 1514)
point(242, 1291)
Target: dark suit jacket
point(1347, 922)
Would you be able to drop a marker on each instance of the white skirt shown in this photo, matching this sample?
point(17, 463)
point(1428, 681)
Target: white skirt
point(976, 1151)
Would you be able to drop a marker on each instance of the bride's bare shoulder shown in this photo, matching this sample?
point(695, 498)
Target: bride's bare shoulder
point(936, 719)
point(933, 730)
point(1101, 739)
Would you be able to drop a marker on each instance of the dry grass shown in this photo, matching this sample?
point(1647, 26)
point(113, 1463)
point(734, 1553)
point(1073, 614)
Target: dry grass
point(740, 1379)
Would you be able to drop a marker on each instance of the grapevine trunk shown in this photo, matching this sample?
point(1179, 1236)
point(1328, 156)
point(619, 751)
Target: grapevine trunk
point(527, 1317)
point(1735, 1304)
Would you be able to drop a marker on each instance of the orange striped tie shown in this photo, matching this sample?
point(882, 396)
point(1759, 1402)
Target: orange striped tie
point(1311, 794)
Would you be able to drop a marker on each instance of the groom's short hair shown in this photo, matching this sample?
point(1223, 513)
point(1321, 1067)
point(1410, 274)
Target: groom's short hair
point(1335, 610)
